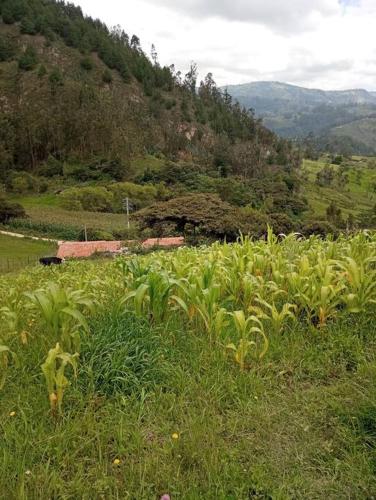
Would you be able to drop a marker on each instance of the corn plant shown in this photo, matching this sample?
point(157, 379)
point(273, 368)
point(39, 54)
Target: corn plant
point(61, 311)
point(11, 316)
point(151, 298)
point(361, 284)
point(203, 304)
point(244, 330)
point(5, 355)
point(276, 317)
point(54, 372)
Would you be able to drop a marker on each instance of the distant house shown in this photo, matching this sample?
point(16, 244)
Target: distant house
point(163, 242)
point(75, 249)
point(84, 249)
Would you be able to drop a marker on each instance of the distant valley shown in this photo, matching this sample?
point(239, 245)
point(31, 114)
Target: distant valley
point(337, 120)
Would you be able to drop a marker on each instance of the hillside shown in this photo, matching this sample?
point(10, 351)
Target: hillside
point(351, 186)
point(297, 112)
point(88, 120)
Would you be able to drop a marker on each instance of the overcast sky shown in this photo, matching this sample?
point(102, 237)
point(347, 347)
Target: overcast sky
point(329, 44)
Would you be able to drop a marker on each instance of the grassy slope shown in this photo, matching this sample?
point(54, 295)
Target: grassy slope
point(300, 424)
point(363, 130)
point(352, 198)
point(16, 253)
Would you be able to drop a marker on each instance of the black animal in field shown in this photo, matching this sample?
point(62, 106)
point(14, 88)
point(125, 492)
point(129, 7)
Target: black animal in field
point(50, 261)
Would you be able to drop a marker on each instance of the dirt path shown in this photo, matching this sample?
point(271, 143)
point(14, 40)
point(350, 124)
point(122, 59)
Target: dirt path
point(19, 235)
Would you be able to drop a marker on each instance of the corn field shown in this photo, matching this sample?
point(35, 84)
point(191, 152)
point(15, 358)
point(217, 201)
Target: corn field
point(239, 295)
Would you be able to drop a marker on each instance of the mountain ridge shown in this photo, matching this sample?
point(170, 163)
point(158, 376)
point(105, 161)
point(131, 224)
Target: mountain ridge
point(297, 112)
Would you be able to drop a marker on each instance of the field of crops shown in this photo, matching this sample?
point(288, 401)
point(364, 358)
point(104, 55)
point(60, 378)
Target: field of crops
point(356, 196)
point(63, 224)
point(230, 371)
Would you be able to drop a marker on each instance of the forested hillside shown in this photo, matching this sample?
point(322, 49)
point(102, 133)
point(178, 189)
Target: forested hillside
point(84, 106)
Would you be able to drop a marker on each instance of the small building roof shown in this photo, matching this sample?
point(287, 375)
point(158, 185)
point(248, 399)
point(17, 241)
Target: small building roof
point(83, 249)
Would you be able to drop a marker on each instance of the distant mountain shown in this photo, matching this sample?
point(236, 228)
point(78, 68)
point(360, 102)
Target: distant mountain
point(298, 112)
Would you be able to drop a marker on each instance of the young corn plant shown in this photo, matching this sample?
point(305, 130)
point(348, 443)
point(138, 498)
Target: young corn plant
point(360, 281)
point(54, 372)
point(270, 312)
point(5, 355)
point(245, 329)
point(203, 304)
point(11, 316)
point(151, 298)
point(61, 311)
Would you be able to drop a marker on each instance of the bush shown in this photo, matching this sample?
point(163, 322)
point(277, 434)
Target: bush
point(28, 59)
point(99, 168)
point(282, 223)
point(122, 356)
point(13, 10)
point(42, 71)
point(9, 210)
point(107, 76)
point(23, 182)
point(139, 196)
point(7, 48)
point(28, 27)
point(91, 199)
point(51, 167)
point(318, 228)
point(87, 64)
point(56, 78)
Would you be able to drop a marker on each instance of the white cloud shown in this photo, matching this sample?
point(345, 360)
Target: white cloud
point(316, 43)
point(281, 15)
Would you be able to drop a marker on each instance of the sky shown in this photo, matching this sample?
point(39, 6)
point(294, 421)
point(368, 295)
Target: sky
point(327, 44)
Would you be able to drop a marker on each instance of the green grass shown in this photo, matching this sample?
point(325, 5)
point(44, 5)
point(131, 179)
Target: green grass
point(16, 253)
point(148, 161)
point(289, 429)
point(300, 423)
point(353, 198)
point(43, 200)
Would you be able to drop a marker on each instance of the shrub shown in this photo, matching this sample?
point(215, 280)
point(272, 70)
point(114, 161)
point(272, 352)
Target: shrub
point(87, 64)
point(107, 76)
point(27, 26)
point(9, 210)
point(123, 356)
point(23, 182)
point(51, 167)
point(13, 10)
point(282, 223)
point(91, 199)
point(140, 196)
point(7, 48)
point(42, 71)
point(99, 168)
point(56, 78)
point(318, 228)
point(28, 60)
